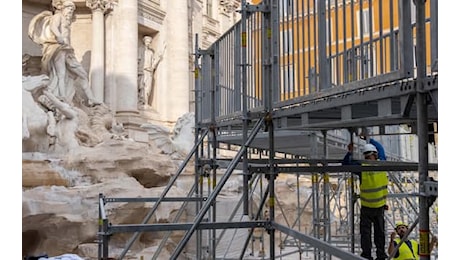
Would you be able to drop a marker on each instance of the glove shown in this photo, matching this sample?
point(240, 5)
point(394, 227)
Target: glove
point(385, 207)
point(350, 147)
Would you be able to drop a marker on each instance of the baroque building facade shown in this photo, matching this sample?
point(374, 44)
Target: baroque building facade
point(107, 36)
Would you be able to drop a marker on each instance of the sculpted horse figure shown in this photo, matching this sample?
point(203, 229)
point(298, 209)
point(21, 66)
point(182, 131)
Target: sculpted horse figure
point(178, 141)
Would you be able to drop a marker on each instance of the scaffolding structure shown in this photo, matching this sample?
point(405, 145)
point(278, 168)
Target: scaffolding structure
point(283, 92)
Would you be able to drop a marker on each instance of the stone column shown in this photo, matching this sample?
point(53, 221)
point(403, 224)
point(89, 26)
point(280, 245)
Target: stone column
point(98, 8)
point(110, 86)
point(173, 102)
point(126, 44)
point(126, 58)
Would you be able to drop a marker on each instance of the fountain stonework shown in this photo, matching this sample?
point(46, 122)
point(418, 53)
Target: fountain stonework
point(61, 187)
point(77, 143)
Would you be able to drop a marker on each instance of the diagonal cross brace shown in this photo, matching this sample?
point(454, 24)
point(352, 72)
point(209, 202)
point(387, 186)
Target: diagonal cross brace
point(216, 192)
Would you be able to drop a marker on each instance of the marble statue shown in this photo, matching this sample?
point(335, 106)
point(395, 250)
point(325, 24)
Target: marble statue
point(62, 125)
point(61, 120)
point(52, 125)
point(52, 32)
point(179, 141)
point(34, 118)
point(149, 62)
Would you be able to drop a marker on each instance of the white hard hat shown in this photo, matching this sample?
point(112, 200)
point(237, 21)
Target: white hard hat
point(369, 148)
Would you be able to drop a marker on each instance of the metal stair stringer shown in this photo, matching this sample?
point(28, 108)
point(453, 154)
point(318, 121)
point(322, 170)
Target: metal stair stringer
point(163, 194)
point(199, 217)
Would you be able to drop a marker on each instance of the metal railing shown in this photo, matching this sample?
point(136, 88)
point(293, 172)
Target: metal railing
point(313, 48)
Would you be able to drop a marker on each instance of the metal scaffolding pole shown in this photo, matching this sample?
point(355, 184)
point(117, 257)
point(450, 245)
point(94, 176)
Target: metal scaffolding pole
point(198, 116)
point(353, 199)
point(271, 151)
point(326, 198)
point(422, 129)
point(199, 217)
point(244, 97)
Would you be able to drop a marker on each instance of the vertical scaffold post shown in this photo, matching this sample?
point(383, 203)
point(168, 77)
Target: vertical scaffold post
point(315, 209)
point(99, 234)
point(215, 104)
point(244, 82)
point(422, 128)
point(326, 215)
point(326, 197)
point(353, 200)
point(198, 118)
point(271, 81)
point(105, 239)
point(324, 70)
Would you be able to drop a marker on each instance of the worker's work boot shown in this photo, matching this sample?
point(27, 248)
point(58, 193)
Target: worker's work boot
point(367, 257)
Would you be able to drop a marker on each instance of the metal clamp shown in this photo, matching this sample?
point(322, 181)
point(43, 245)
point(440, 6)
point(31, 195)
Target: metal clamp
point(431, 188)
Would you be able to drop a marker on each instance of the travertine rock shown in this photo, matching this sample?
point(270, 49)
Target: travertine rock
point(40, 173)
point(61, 190)
point(57, 218)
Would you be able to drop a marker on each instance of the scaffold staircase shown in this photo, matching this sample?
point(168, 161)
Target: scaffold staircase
point(277, 99)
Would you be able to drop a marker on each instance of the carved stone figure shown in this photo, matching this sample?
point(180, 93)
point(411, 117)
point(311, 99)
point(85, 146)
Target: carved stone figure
point(52, 33)
point(34, 118)
point(178, 141)
point(63, 125)
point(51, 125)
point(149, 63)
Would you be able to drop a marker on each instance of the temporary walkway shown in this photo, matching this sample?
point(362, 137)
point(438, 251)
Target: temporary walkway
point(284, 91)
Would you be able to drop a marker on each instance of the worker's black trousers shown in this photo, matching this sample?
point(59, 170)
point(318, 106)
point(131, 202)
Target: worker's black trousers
point(372, 218)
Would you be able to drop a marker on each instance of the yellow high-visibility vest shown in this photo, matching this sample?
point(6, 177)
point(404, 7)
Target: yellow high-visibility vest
point(373, 189)
point(404, 251)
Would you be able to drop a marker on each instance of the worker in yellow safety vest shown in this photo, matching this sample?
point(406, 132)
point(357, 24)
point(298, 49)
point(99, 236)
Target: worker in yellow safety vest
point(373, 193)
point(409, 249)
